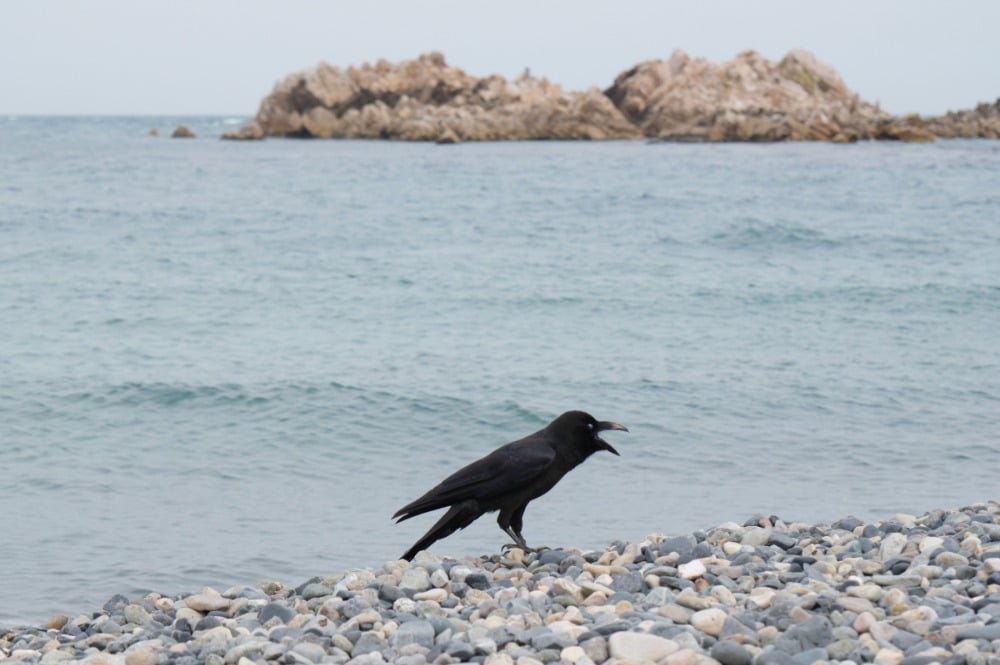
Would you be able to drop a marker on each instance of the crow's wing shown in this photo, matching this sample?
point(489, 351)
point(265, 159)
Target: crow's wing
point(507, 469)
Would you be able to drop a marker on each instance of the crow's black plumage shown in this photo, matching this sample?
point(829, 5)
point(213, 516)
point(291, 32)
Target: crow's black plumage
point(509, 477)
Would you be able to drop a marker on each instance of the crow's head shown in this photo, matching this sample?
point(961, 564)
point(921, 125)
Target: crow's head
point(584, 430)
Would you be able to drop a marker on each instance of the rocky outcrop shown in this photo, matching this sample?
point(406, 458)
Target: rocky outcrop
point(748, 98)
point(426, 100)
point(182, 132)
point(980, 122)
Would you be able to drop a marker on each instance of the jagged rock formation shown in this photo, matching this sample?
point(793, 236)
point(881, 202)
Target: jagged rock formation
point(426, 100)
point(748, 98)
point(980, 122)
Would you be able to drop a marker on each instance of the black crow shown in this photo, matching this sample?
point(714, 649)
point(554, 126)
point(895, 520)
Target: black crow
point(509, 477)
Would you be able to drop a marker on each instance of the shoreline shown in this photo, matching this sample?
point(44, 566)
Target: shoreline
point(907, 590)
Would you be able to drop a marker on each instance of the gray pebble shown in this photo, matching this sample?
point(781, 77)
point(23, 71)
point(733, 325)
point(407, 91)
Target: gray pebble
point(555, 557)
point(783, 540)
point(728, 652)
point(367, 643)
point(315, 590)
point(312, 652)
point(682, 545)
point(809, 656)
point(477, 581)
point(988, 632)
point(611, 627)
point(272, 610)
point(629, 583)
point(414, 632)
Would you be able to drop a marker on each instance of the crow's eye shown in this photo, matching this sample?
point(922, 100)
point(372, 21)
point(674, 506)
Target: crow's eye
point(590, 426)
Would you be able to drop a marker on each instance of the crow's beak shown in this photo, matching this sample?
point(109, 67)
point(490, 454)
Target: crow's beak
point(605, 425)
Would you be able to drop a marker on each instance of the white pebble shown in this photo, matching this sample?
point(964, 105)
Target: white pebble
point(625, 645)
point(709, 621)
point(692, 569)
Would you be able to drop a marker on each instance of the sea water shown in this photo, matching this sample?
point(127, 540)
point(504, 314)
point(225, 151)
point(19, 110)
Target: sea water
point(222, 362)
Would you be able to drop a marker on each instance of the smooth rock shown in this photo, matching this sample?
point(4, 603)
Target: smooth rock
point(311, 651)
point(272, 610)
point(755, 536)
point(683, 657)
point(640, 646)
point(56, 622)
point(988, 632)
point(208, 600)
point(729, 652)
point(692, 569)
point(413, 632)
point(137, 614)
point(892, 545)
point(709, 621)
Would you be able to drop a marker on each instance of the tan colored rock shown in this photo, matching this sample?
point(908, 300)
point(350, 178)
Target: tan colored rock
point(427, 100)
point(182, 132)
point(749, 98)
point(980, 122)
point(56, 622)
point(251, 131)
point(208, 600)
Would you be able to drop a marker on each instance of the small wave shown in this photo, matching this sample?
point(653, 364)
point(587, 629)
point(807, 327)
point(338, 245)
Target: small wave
point(756, 234)
point(167, 394)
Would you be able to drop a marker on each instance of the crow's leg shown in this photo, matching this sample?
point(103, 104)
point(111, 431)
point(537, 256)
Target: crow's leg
point(518, 541)
point(513, 529)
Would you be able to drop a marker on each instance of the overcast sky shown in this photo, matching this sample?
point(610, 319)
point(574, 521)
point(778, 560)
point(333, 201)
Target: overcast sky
point(223, 56)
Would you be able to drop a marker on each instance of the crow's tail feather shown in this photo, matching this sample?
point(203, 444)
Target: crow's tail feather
point(458, 517)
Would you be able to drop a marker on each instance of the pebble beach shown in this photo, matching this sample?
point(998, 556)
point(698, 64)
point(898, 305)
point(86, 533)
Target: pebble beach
point(908, 590)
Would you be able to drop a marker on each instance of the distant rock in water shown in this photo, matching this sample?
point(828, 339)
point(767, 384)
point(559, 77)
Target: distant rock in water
point(748, 98)
point(182, 132)
point(427, 100)
point(980, 122)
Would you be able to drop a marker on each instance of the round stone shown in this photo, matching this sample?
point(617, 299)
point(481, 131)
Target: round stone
point(413, 632)
point(709, 621)
point(136, 614)
point(626, 645)
point(892, 545)
point(207, 601)
point(683, 657)
point(755, 536)
point(415, 578)
point(692, 569)
point(729, 652)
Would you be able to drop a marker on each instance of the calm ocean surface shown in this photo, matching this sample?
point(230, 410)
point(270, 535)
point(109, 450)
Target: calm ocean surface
point(225, 362)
